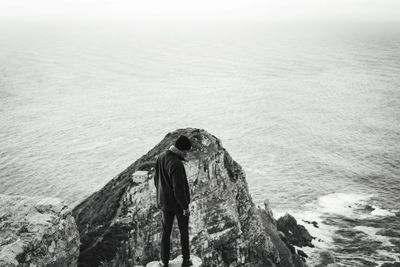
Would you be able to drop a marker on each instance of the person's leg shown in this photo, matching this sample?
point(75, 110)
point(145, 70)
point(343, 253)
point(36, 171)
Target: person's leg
point(183, 223)
point(167, 222)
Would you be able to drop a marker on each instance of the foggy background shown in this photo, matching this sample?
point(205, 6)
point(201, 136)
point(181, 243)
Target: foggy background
point(190, 10)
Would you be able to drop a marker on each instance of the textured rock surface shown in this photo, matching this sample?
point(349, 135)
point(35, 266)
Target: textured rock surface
point(287, 252)
point(120, 224)
point(37, 232)
point(177, 262)
point(295, 234)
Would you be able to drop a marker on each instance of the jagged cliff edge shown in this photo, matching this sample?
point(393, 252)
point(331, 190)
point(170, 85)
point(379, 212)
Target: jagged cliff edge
point(120, 225)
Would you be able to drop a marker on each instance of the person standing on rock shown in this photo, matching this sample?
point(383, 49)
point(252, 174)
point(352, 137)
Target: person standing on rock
point(173, 197)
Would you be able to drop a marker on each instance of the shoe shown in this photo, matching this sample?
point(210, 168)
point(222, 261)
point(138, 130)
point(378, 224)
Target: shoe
point(162, 264)
point(187, 262)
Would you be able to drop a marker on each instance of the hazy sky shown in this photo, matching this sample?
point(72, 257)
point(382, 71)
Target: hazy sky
point(203, 9)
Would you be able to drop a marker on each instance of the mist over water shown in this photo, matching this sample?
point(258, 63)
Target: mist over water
point(311, 112)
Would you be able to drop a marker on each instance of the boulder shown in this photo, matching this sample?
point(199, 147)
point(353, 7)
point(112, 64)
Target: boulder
point(120, 224)
point(287, 253)
point(295, 234)
point(37, 231)
point(302, 253)
point(314, 223)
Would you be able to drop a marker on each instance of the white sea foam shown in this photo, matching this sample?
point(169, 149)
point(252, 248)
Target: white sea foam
point(371, 232)
point(323, 232)
point(382, 212)
point(296, 137)
point(340, 203)
point(343, 204)
point(337, 204)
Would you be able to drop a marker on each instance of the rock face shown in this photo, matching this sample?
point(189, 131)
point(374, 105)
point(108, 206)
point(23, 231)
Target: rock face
point(295, 234)
point(37, 232)
point(177, 262)
point(120, 224)
point(288, 254)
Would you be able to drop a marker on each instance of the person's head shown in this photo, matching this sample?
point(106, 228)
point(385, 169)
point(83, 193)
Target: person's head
point(183, 144)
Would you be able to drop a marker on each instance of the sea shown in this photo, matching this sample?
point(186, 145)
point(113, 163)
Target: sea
point(310, 110)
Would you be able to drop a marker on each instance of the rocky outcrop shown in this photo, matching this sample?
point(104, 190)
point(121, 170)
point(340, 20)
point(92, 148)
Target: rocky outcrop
point(288, 254)
point(295, 234)
point(120, 224)
point(37, 232)
point(177, 262)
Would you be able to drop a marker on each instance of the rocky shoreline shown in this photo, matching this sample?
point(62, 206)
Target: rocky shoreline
point(120, 225)
point(37, 232)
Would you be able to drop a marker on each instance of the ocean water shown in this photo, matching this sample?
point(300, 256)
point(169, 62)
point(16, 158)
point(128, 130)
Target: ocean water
point(311, 112)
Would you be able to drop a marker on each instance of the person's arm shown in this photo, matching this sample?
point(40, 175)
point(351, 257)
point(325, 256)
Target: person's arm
point(178, 176)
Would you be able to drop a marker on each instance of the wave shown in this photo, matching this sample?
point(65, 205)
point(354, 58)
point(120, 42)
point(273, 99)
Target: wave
point(347, 226)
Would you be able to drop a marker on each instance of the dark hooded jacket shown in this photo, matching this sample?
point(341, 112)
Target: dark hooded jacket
point(171, 182)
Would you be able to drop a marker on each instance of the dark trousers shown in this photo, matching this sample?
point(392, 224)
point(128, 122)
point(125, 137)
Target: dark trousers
point(167, 222)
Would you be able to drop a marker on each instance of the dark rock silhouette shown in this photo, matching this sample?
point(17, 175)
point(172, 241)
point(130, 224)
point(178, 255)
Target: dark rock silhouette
point(394, 264)
point(314, 223)
point(120, 224)
point(295, 234)
point(302, 253)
